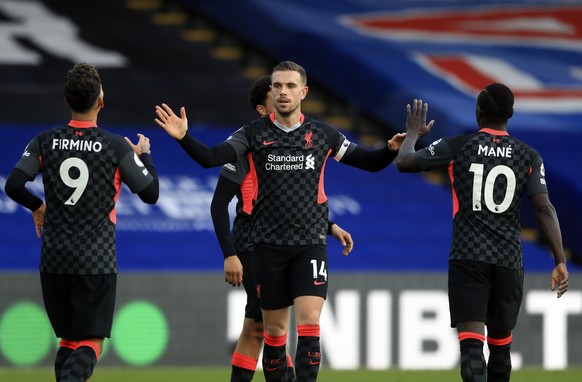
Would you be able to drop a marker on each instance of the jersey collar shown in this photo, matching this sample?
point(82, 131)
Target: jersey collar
point(82, 124)
point(301, 119)
point(493, 132)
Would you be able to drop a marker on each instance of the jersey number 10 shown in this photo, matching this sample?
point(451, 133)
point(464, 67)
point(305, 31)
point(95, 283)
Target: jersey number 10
point(485, 193)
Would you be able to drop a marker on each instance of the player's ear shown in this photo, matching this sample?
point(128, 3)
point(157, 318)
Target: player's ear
point(478, 114)
point(305, 91)
point(262, 110)
point(101, 99)
point(510, 114)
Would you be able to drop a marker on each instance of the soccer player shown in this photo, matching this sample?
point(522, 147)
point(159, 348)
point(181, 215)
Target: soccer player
point(490, 172)
point(237, 179)
point(290, 216)
point(82, 168)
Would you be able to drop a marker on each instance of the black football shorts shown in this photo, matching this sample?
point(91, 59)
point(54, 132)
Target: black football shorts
point(283, 273)
point(253, 308)
point(79, 306)
point(486, 293)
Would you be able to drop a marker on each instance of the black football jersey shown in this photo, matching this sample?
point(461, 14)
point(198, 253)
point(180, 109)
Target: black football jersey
point(243, 173)
point(490, 171)
point(291, 205)
point(82, 169)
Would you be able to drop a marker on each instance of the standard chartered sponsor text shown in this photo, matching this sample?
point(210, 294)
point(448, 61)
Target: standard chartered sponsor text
point(284, 162)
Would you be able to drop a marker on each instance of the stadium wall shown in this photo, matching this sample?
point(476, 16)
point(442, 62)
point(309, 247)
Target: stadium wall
point(371, 320)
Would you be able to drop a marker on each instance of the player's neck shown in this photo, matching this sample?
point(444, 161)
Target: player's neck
point(85, 117)
point(289, 120)
point(493, 126)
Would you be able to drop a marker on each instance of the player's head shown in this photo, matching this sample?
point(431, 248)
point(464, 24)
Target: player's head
point(82, 88)
point(289, 87)
point(494, 104)
point(260, 96)
point(290, 66)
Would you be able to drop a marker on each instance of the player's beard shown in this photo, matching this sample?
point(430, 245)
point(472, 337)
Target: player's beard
point(285, 113)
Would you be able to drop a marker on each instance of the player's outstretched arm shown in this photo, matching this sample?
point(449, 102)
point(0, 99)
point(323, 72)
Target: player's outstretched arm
point(175, 126)
point(396, 141)
point(142, 149)
point(416, 127)
point(142, 146)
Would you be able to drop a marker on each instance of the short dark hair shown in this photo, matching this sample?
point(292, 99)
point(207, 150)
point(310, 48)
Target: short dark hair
point(291, 66)
point(496, 102)
point(82, 87)
point(258, 91)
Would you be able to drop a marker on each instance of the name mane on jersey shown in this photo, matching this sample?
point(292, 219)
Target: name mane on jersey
point(76, 144)
point(497, 151)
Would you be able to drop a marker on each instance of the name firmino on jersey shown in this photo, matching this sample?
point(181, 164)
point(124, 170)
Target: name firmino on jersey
point(505, 152)
point(78, 145)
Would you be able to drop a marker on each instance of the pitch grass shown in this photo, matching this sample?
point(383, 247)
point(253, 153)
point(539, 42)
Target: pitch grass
point(108, 374)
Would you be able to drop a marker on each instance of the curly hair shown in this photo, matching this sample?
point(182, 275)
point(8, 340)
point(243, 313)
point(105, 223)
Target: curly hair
point(496, 102)
point(82, 87)
point(258, 91)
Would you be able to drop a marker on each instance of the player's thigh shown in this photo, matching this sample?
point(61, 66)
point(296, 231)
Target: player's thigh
point(271, 265)
point(253, 308)
point(505, 300)
point(309, 272)
point(57, 303)
point(469, 288)
point(94, 300)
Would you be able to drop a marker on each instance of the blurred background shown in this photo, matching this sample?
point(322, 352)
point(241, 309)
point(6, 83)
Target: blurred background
point(365, 60)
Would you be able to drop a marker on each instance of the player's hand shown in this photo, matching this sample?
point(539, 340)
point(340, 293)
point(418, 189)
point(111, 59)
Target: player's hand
point(175, 126)
point(38, 218)
point(560, 279)
point(233, 271)
point(142, 146)
point(395, 142)
point(416, 119)
point(344, 237)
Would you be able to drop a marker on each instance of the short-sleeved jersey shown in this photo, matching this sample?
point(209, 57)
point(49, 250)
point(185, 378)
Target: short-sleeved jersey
point(291, 205)
point(490, 171)
point(242, 172)
point(82, 169)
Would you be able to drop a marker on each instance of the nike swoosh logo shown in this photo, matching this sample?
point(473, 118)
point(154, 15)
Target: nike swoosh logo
point(265, 143)
point(315, 282)
point(272, 368)
point(313, 363)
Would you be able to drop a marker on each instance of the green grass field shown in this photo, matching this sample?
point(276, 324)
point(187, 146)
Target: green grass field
point(223, 375)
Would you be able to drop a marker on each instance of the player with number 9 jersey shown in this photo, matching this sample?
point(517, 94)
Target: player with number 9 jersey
point(82, 169)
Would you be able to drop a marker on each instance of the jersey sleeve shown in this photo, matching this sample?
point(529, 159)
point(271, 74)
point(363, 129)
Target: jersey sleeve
point(438, 154)
point(30, 162)
point(225, 191)
point(340, 145)
point(132, 170)
point(536, 182)
point(240, 141)
point(236, 171)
